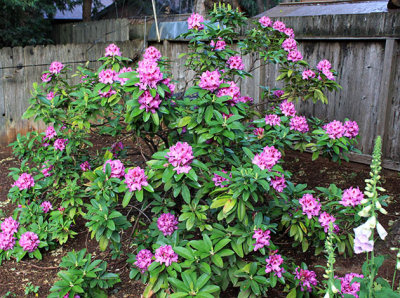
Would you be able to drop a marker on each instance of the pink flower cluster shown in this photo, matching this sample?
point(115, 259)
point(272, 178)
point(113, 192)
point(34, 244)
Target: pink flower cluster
point(9, 227)
point(144, 258)
point(46, 170)
point(50, 95)
point(325, 219)
point(220, 181)
point(348, 287)
point(233, 91)
point(294, 56)
point(167, 223)
point(112, 50)
point(149, 74)
point(279, 26)
point(117, 168)
point(210, 80)
point(299, 123)
point(307, 279)
point(46, 77)
point(56, 67)
point(265, 21)
point(352, 197)
point(278, 93)
point(50, 133)
point(195, 22)
point(272, 119)
point(107, 76)
point(148, 102)
point(278, 183)
point(268, 158)
point(135, 179)
point(219, 45)
point(122, 81)
point(29, 241)
point(170, 86)
point(324, 66)
point(336, 129)
point(85, 166)
point(25, 181)
point(235, 62)
point(180, 156)
point(289, 44)
point(308, 73)
point(262, 238)
point(165, 254)
point(46, 206)
point(351, 129)
point(311, 206)
point(151, 53)
point(60, 144)
point(288, 108)
point(289, 32)
point(259, 132)
point(108, 93)
point(274, 262)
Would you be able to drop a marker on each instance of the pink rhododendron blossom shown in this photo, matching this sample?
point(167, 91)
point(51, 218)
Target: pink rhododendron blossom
point(299, 123)
point(135, 179)
point(195, 22)
point(219, 45)
point(268, 158)
point(352, 197)
point(334, 129)
point(324, 64)
point(279, 26)
point(288, 108)
point(325, 219)
point(50, 132)
point(85, 166)
point(170, 86)
point(259, 132)
point(180, 156)
point(9, 225)
point(362, 239)
point(235, 62)
point(278, 183)
point(60, 144)
point(7, 241)
point(245, 99)
point(220, 181)
point(46, 77)
point(311, 206)
point(233, 91)
point(108, 93)
point(167, 223)
point(329, 75)
point(307, 279)
point(148, 102)
point(210, 80)
point(308, 73)
point(107, 76)
point(265, 21)
point(289, 45)
point(61, 209)
point(46, 206)
point(348, 287)
point(46, 170)
point(123, 81)
point(294, 56)
point(117, 168)
point(149, 74)
point(112, 50)
point(116, 148)
point(278, 93)
point(289, 32)
point(226, 117)
point(274, 262)
point(25, 181)
point(152, 53)
point(262, 238)
point(50, 95)
point(351, 129)
point(144, 258)
point(165, 254)
point(56, 67)
point(29, 241)
point(272, 119)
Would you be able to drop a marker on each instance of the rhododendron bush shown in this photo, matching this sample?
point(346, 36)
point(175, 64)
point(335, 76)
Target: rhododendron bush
point(208, 194)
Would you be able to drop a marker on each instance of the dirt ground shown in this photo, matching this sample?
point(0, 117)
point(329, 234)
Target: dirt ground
point(15, 276)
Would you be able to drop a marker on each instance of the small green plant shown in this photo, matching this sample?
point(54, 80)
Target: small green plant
point(30, 288)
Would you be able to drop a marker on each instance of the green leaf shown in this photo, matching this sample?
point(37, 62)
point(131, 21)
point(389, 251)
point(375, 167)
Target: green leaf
point(184, 121)
point(217, 260)
point(184, 252)
point(103, 243)
point(139, 195)
point(155, 118)
point(127, 198)
point(186, 194)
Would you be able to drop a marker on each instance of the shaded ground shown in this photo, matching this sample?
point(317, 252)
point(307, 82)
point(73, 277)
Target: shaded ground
point(14, 276)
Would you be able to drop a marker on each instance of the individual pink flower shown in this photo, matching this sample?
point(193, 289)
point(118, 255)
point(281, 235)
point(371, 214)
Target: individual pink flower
point(123, 80)
point(50, 132)
point(233, 91)
point(46, 170)
point(294, 56)
point(149, 74)
point(67, 296)
point(46, 206)
point(117, 168)
point(274, 262)
point(325, 219)
point(112, 50)
point(279, 26)
point(235, 62)
point(135, 179)
point(351, 129)
point(307, 279)
point(272, 119)
point(46, 77)
point(9, 225)
point(335, 129)
point(7, 241)
point(289, 45)
point(245, 99)
point(220, 181)
point(170, 86)
point(311, 206)
point(347, 286)
point(50, 95)
point(167, 223)
point(85, 166)
point(180, 156)
point(289, 32)
point(329, 75)
point(259, 132)
point(148, 102)
point(262, 238)
point(107, 76)
point(324, 64)
point(195, 22)
point(61, 209)
point(25, 181)
point(265, 21)
point(60, 144)
point(152, 53)
point(308, 73)
point(56, 67)
point(278, 93)
point(165, 254)
point(219, 45)
point(29, 241)
point(144, 258)
point(352, 197)
point(268, 158)
point(299, 123)
point(108, 93)
point(287, 108)
point(278, 183)
point(210, 80)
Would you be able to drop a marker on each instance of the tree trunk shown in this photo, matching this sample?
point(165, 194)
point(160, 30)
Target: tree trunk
point(87, 10)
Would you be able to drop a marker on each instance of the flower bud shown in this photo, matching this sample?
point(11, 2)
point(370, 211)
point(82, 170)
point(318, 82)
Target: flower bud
point(365, 211)
point(383, 211)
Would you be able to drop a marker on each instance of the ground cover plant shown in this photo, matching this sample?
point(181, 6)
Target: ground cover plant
point(202, 213)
